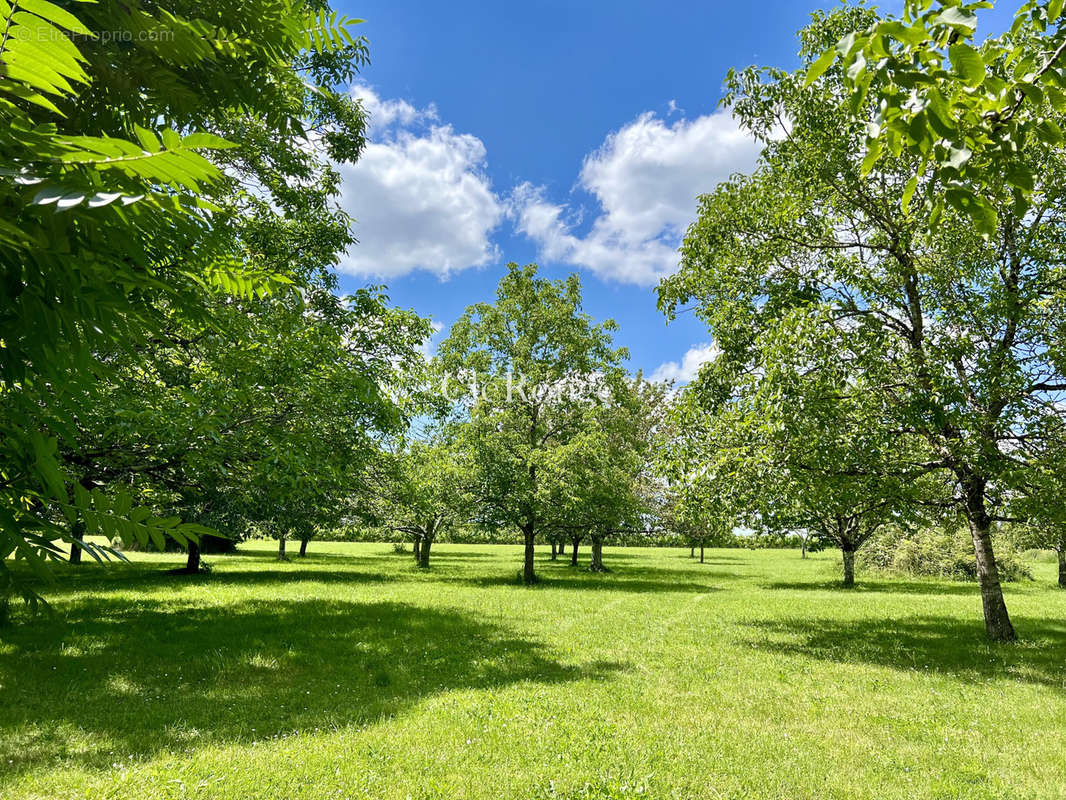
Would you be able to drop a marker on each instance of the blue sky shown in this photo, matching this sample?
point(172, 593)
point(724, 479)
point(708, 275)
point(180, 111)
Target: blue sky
point(573, 134)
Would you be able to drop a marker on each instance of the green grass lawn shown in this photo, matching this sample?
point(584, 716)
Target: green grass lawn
point(351, 675)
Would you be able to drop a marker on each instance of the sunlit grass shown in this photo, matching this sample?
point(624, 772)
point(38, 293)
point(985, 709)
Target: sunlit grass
point(352, 674)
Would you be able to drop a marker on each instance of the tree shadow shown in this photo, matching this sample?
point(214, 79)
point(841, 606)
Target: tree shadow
point(135, 681)
point(561, 575)
point(877, 587)
point(451, 555)
point(717, 558)
point(154, 576)
point(928, 643)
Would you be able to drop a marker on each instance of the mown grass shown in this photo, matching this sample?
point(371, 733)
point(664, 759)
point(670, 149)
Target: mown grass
point(352, 674)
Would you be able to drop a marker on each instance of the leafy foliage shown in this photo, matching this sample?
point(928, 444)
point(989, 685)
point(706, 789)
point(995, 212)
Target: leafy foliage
point(117, 217)
point(968, 113)
point(944, 552)
point(935, 346)
point(536, 364)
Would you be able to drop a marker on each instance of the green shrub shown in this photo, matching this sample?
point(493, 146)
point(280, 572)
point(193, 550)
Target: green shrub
point(938, 553)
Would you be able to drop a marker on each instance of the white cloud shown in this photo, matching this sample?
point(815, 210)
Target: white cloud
point(419, 194)
point(646, 178)
point(385, 113)
point(429, 346)
point(690, 364)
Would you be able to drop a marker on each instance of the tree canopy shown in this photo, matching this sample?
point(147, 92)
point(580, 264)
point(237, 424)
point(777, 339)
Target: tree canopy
point(949, 334)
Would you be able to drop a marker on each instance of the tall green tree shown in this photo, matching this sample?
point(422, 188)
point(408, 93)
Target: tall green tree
point(427, 490)
point(269, 416)
point(524, 369)
point(596, 482)
point(113, 218)
point(953, 334)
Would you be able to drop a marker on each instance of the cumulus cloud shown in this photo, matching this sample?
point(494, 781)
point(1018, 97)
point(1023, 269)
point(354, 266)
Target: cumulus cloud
point(419, 195)
point(385, 113)
point(690, 364)
point(429, 346)
point(646, 178)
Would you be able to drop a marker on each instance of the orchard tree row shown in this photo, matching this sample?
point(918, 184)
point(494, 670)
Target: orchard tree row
point(885, 291)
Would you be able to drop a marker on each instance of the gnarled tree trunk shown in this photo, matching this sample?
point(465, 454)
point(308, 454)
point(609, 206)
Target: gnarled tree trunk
point(303, 548)
point(997, 620)
point(597, 555)
point(555, 550)
point(423, 552)
point(847, 550)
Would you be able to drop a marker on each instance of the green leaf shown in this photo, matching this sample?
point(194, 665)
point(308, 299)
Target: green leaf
point(908, 193)
point(54, 13)
point(976, 208)
point(44, 451)
point(967, 63)
point(206, 141)
point(1020, 176)
point(1049, 131)
point(873, 152)
point(958, 157)
point(818, 68)
point(148, 140)
point(909, 35)
point(856, 67)
point(958, 18)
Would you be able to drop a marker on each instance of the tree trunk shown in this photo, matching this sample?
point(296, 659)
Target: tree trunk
point(423, 552)
point(303, 548)
point(75, 548)
point(803, 547)
point(192, 561)
point(849, 565)
point(597, 555)
point(1062, 567)
point(692, 551)
point(78, 530)
point(573, 555)
point(555, 550)
point(281, 548)
point(997, 620)
point(701, 552)
point(418, 549)
point(529, 576)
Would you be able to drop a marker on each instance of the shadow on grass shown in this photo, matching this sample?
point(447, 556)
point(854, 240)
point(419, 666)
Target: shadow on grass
point(627, 575)
point(875, 586)
point(451, 555)
point(151, 577)
point(560, 575)
point(651, 552)
point(931, 643)
point(116, 679)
